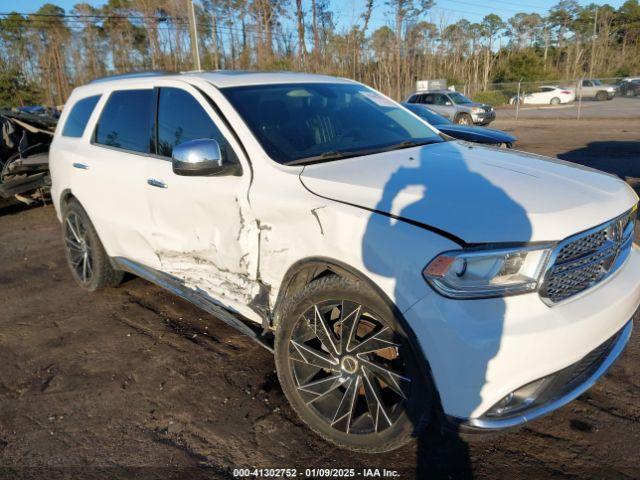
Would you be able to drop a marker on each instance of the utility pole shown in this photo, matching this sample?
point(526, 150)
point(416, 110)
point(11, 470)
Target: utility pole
point(593, 43)
point(194, 38)
point(214, 24)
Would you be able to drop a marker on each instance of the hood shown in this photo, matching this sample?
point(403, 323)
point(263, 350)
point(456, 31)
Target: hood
point(484, 106)
point(478, 194)
point(476, 134)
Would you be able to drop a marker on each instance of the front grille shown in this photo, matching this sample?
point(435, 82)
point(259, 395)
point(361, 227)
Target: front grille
point(585, 259)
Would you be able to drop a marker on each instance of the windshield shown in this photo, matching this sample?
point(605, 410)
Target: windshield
point(426, 114)
point(597, 82)
point(458, 98)
point(295, 123)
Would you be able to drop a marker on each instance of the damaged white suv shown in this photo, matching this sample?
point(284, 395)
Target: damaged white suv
point(399, 277)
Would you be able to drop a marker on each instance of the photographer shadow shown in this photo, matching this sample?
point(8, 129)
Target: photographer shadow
point(456, 194)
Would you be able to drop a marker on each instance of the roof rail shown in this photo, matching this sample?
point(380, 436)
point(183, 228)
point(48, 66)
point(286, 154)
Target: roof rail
point(143, 74)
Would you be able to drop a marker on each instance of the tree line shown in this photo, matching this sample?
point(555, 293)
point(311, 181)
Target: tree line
point(45, 54)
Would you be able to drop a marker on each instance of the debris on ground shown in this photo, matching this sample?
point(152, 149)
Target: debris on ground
point(24, 155)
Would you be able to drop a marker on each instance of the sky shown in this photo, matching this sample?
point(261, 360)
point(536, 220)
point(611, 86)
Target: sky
point(347, 11)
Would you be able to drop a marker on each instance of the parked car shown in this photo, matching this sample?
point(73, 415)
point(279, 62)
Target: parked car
point(400, 278)
point(455, 106)
point(546, 95)
point(487, 136)
point(629, 88)
point(596, 89)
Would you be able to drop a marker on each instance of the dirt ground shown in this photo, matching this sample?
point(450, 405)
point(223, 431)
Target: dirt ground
point(136, 383)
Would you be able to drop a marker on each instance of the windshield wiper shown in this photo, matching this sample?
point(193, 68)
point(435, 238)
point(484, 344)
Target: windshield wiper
point(332, 155)
point(409, 144)
point(335, 155)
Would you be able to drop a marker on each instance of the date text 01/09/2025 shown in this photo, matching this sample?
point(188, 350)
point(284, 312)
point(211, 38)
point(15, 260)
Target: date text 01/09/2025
point(315, 473)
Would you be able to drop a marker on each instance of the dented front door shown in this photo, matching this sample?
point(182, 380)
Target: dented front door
point(203, 230)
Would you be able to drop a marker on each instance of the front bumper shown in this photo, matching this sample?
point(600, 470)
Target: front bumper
point(481, 350)
point(483, 118)
point(562, 387)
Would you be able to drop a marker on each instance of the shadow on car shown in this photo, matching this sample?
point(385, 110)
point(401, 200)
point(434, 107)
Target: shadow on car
point(444, 455)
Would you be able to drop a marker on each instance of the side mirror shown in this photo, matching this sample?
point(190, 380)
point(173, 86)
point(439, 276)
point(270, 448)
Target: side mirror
point(200, 158)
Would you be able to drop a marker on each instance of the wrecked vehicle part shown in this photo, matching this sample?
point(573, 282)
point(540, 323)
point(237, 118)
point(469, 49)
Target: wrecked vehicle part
point(24, 156)
point(196, 296)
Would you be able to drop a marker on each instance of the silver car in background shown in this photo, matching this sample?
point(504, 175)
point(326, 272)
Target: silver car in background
point(593, 88)
point(455, 106)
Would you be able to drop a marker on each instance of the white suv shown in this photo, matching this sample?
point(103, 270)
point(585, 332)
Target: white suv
point(399, 277)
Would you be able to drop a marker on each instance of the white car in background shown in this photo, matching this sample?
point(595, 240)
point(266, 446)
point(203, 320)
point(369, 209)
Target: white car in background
point(547, 95)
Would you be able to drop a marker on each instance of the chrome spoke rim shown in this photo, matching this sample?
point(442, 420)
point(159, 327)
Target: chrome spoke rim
point(348, 368)
point(78, 248)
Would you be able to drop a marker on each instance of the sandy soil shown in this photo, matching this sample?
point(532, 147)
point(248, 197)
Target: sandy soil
point(134, 382)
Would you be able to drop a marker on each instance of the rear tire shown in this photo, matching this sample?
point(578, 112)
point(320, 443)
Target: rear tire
point(464, 119)
point(86, 257)
point(335, 382)
point(555, 101)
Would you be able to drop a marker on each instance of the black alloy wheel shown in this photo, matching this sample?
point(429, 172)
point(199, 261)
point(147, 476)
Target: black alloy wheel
point(78, 248)
point(89, 263)
point(347, 370)
point(348, 367)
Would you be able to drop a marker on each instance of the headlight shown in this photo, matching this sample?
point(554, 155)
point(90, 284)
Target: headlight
point(481, 273)
point(477, 110)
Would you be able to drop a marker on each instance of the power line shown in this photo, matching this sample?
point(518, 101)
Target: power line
point(171, 23)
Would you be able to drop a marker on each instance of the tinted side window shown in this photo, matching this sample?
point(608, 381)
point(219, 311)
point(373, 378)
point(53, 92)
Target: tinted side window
point(79, 116)
point(439, 99)
point(181, 118)
point(428, 99)
point(125, 120)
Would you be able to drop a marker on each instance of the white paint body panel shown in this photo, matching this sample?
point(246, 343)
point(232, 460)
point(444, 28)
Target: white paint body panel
point(215, 232)
point(480, 194)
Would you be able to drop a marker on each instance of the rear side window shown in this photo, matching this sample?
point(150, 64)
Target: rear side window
point(125, 121)
point(181, 118)
point(79, 116)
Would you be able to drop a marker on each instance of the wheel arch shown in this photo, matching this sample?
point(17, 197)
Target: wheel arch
point(65, 196)
point(304, 271)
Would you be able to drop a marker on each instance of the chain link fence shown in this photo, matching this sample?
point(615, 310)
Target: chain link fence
point(569, 98)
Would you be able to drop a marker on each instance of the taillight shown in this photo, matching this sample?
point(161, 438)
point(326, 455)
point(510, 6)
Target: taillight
point(566, 92)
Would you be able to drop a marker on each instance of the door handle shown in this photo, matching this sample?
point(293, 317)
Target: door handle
point(156, 183)
point(81, 166)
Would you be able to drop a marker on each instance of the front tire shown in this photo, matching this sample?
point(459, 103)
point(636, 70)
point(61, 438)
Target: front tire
point(87, 259)
point(348, 369)
point(601, 96)
point(464, 119)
